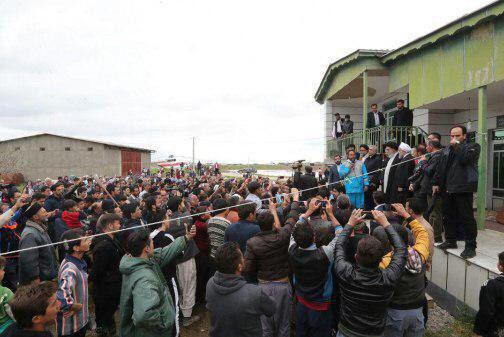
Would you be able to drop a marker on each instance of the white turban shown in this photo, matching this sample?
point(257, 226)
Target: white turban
point(405, 147)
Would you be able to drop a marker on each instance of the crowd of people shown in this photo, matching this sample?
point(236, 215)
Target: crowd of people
point(341, 252)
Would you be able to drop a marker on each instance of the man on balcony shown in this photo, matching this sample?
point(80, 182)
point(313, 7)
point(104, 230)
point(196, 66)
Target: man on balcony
point(347, 126)
point(338, 126)
point(403, 117)
point(374, 117)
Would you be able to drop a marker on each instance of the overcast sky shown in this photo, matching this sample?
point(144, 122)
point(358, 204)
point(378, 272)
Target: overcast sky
point(239, 76)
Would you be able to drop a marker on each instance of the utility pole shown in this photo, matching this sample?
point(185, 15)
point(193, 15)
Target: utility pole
point(193, 163)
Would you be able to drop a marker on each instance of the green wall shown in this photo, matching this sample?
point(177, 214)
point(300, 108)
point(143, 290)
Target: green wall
point(458, 63)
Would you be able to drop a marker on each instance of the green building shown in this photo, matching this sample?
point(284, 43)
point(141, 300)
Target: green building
point(454, 75)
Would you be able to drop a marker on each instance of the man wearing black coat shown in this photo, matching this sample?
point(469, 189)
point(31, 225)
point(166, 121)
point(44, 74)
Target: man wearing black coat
point(304, 181)
point(334, 171)
point(434, 201)
point(373, 163)
point(402, 117)
point(457, 177)
point(347, 125)
point(401, 178)
point(375, 117)
point(389, 172)
point(107, 279)
point(366, 290)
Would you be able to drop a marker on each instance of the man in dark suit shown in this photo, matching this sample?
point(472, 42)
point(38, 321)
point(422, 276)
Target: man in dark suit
point(374, 117)
point(334, 170)
point(389, 172)
point(401, 179)
point(402, 117)
point(306, 181)
point(373, 163)
point(347, 125)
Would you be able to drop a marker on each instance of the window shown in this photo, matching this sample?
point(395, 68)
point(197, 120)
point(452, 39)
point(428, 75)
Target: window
point(17, 148)
point(90, 149)
point(42, 149)
point(67, 148)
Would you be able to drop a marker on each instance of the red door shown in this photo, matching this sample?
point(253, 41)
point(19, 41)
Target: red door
point(131, 160)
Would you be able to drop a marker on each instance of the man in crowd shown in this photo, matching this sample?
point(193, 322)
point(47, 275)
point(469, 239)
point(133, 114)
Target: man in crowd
point(267, 259)
point(363, 152)
point(40, 264)
point(313, 280)
point(145, 308)
point(490, 317)
point(373, 164)
point(401, 177)
point(374, 117)
point(405, 311)
point(306, 182)
point(365, 289)
point(457, 176)
point(217, 226)
point(255, 194)
point(388, 175)
point(357, 182)
point(106, 277)
point(434, 200)
point(235, 306)
point(334, 170)
point(244, 229)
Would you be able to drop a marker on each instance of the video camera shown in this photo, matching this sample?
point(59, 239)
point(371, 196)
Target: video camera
point(298, 165)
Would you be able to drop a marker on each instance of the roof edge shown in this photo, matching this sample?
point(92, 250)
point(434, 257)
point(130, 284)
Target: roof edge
point(402, 51)
point(341, 62)
point(81, 139)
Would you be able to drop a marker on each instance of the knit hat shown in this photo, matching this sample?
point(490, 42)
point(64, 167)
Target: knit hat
point(32, 210)
point(405, 147)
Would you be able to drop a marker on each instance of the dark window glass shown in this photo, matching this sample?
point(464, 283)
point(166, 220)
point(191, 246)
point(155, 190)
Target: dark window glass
point(42, 149)
point(67, 149)
point(90, 149)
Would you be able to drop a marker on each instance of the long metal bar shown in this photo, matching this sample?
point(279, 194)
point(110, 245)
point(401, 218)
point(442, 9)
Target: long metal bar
point(482, 163)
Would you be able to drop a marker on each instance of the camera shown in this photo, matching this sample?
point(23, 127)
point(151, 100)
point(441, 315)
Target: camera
point(298, 165)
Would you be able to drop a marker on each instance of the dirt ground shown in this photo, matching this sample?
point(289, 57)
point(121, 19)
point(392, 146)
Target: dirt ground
point(200, 328)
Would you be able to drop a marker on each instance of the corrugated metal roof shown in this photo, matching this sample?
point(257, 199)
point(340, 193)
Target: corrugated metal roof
point(81, 139)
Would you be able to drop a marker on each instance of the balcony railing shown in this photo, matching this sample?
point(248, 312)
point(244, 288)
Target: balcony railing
point(412, 135)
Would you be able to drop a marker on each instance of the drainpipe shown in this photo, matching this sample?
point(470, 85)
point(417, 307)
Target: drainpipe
point(364, 104)
point(482, 162)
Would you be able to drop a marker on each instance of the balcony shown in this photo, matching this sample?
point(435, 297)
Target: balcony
point(412, 135)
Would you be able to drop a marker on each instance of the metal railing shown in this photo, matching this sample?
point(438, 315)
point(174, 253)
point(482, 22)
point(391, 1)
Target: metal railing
point(411, 135)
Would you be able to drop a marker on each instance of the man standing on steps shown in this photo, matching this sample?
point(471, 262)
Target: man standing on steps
point(457, 177)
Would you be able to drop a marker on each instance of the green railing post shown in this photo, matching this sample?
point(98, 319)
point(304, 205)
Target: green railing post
point(482, 162)
point(364, 104)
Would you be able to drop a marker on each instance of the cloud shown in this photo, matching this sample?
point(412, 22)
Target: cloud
point(238, 76)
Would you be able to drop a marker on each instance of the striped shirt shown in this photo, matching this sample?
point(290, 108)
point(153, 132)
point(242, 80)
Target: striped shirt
point(72, 288)
point(216, 228)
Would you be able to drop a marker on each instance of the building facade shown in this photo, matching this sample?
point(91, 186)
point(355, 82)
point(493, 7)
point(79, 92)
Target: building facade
point(47, 155)
point(454, 75)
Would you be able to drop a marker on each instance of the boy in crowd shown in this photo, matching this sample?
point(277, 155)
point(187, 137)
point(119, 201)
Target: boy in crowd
point(73, 285)
point(34, 308)
point(490, 318)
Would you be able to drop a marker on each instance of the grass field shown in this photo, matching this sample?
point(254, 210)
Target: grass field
point(227, 167)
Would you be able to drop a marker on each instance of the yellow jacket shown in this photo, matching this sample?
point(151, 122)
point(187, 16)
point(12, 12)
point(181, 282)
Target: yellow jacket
point(421, 243)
